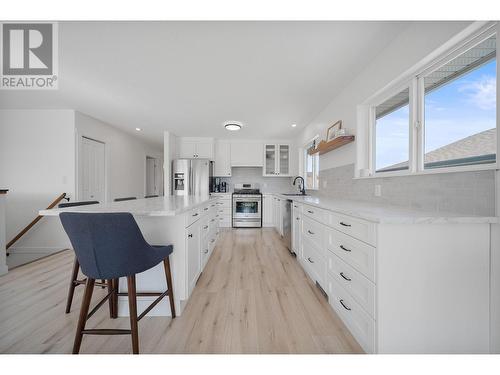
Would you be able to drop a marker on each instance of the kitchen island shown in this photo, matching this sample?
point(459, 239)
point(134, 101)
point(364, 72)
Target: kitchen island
point(189, 223)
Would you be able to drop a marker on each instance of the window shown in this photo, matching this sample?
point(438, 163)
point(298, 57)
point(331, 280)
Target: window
point(311, 167)
point(460, 109)
point(443, 117)
point(392, 133)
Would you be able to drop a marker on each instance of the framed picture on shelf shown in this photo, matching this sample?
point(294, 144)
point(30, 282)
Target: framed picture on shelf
point(333, 130)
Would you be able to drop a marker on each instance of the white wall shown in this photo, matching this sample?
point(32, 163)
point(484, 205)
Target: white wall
point(410, 47)
point(125, 157)
point(37, 159)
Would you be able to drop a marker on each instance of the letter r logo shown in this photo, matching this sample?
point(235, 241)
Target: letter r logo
point(27, 49)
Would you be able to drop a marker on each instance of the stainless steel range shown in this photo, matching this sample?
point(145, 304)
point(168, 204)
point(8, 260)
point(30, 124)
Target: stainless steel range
point(247, 206)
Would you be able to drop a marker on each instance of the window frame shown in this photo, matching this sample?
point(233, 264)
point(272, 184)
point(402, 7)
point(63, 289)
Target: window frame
point(415, 82)
point(304, 164)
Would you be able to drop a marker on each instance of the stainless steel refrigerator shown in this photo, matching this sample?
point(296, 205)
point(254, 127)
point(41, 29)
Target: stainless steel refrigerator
point(192, 176)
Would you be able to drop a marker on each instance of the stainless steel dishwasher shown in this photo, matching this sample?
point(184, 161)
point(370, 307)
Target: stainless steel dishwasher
point(286, 210)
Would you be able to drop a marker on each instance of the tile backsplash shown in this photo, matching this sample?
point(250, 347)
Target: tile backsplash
point(254, 175)
point(461, 192)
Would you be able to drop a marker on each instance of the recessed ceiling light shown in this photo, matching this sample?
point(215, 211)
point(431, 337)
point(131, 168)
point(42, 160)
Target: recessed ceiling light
point(138, 129)
point(233, 125)
point(294, 125)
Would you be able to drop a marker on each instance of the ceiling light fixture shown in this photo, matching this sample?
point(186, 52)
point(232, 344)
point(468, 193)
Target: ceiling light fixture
point(294, 125)
point(233, 125)
point(138, 129)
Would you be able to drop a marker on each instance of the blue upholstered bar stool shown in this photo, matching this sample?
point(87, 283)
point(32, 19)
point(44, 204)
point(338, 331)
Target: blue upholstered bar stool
point(109, 246)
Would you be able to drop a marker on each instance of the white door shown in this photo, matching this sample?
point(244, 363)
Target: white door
point(284, 160)
point(92, 170)
point(270, 160)
point(152, 182)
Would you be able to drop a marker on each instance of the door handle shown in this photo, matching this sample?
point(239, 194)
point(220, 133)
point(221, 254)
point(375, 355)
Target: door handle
point(344, 306)
point(310, 260)
point(344, 224)
point(308, 231)
point(190, 235)
point(344, 277)
point(344, 248)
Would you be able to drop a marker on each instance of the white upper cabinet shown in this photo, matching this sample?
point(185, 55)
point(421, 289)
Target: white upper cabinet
point(277, 160)
point(222, 159)
point(246, 154)
point(200, 148)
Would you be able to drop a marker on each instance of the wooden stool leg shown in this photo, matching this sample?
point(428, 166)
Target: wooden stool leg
point(87, 297)
point(72, 285)
point(111, 300)
point(116, 286)
point(103, 281)
point(168, 274)
point(132, 304)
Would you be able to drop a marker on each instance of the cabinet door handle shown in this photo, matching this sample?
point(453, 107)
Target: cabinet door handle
point(212, 220)
point(311, 212)
point(344, 248)
point(205, 227)
point(308, 231)
point(206, 251)
point(310, 260)
point(190, 235)
point(297, 218)
point(196, 214)
point(344, 306)
point(206, 208)
point(212, 240)
point(344, 276)
point(344, 224)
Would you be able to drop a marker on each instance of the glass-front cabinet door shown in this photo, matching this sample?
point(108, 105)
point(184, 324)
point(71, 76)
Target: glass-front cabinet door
point(284, 160)
point(277, 160)
point(270, 160)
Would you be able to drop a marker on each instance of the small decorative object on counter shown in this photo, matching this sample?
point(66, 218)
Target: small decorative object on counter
point(332, 130)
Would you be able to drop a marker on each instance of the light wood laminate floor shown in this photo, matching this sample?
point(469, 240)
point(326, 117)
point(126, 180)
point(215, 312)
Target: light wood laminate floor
point(253, 297)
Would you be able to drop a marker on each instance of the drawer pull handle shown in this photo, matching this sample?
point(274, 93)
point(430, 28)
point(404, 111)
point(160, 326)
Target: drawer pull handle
point(206, 251)
point(297, 218)
point(344, 248)
point(206, 208)
point(310, 260)
point(196, 214)
point(344, 224)
point(212, 240)
point(205, 227)
point(212, 220)
point(308, 231)
point(344, 276)
point(344, 306)
point(311, 212)
point(190, 235)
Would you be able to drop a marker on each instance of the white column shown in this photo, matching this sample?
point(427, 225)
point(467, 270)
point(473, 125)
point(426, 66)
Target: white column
point(3, 256)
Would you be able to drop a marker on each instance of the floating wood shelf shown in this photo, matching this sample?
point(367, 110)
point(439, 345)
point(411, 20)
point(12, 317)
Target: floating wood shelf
point(324, 147)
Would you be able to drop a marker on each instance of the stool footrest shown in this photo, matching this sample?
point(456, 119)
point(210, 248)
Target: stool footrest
point(105, 331)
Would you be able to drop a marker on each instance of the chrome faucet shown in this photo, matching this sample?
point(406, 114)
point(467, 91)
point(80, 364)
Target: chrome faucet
point(302, 184)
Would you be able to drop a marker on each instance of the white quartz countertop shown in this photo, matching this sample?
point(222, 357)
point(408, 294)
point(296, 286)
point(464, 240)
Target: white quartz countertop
point(160, 206)
point(386, 214)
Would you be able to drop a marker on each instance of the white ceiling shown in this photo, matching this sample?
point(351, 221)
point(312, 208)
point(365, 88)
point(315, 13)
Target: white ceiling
point(190, 77)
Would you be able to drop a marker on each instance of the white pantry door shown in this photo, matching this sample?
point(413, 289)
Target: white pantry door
point(152, 185)
point(92, 170)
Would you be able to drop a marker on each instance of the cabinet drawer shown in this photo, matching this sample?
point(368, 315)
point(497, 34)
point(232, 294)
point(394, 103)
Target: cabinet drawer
point(314, 261)
point(315, 213)
point(361, 325)
point(193, 216)
point(204, 209)
point(226, 203)
point(313, 231)
point(356, 254)
point(297, 207)
point(224, 212)
point(360, 229)
point(357, 285)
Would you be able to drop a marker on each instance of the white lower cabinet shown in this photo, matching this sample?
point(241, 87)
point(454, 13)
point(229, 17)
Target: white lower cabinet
point(267, 210)
point(193, 255)
point(400, 288)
